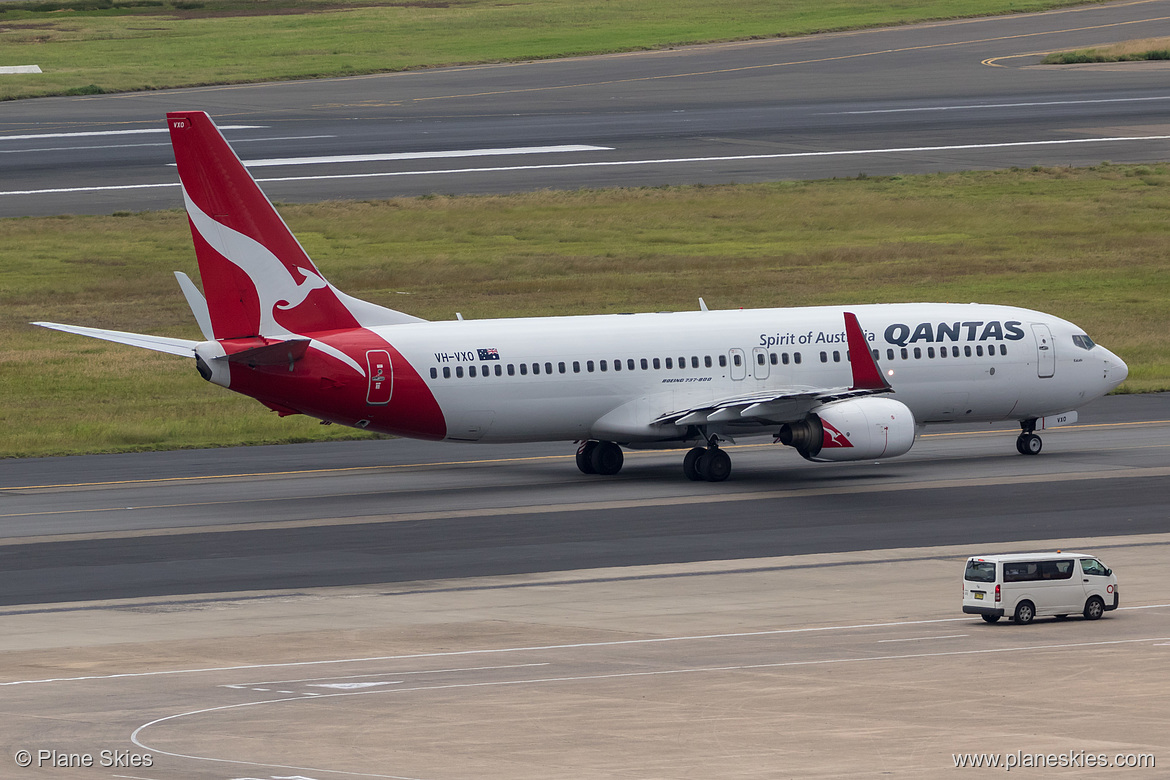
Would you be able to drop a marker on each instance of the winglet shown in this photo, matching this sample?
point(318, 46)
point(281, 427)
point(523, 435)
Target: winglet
point(866, 374)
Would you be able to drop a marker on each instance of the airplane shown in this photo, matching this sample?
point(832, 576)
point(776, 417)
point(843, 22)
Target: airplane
point(837, 383)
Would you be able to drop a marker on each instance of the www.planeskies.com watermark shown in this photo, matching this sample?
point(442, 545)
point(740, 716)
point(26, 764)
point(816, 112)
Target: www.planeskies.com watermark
point(1072, 759)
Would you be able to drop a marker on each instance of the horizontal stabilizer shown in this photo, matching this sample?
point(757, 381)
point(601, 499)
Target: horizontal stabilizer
point(197, 303)
point(171, 346)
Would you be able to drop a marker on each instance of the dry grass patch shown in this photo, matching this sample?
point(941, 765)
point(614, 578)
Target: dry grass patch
point(1126, 51)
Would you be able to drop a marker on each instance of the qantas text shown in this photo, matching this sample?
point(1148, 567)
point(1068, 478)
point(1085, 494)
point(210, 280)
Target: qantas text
point(954, 331)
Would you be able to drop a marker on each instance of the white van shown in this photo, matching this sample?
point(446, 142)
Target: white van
point(1025, 585)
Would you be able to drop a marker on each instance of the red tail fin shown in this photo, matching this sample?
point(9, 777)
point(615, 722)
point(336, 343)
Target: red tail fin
point(866, 374)
point(257, 278)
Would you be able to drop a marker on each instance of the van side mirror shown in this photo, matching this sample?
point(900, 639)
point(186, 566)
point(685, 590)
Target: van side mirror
point(1109, 572)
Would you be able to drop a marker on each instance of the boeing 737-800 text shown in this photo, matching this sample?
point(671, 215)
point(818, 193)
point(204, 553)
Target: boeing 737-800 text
point(836, 383)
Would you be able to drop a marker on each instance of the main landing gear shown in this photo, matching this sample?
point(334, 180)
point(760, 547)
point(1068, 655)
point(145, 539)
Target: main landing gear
point(1028, 442)
point(707, 463)
point(599, 457)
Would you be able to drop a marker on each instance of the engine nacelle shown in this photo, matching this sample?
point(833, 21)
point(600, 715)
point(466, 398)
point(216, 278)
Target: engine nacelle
point(856, 429)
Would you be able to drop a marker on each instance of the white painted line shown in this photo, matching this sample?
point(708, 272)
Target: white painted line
point(134, 737)
point(388, 674)
point(10, 69)
point(534, 648)
point(351, 686)
point(140, 131)
point(996, 105)
point(160, 143)
point(348, 158)
point(924, 638)
point(631, 163)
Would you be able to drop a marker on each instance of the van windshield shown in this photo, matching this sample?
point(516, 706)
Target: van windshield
point(980, 571)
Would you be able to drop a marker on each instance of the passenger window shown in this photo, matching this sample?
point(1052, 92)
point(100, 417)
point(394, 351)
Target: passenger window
point(784, 358)
point(967, 350)
point(630, 364)
point(1055, 570)
point(836, 356)
point(775, 359)
point(548, 368)
point(446, 372)
point(930, 352)
point(458, 372)
point(499, 371)
point(917, 353)
point(669, 363)
point(695, 361)
point(511, 370)
point(617, 365)
point(536, 368)
point(645, 364)
point(979, 350)
point(485, 370)
point(682, 362)
point(825, 357)
point(603, 365)
point(942, 352)
point(980, 571)
point(471, 371)
point(589, 366)
point(434, 373)
point(955, 351)
point(707, 361)
point(657, 364)
point(561, 367)
point(889, 354)
point(1003, 349)
point(796, 357)
point(1020, 572)
point(905, 353)
point(576, 366)
point(737, 359)
point(760, 358)
point(723, 361)
point(523, 369)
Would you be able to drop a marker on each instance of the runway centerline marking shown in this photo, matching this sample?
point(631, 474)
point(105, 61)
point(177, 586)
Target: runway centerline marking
point(924, 638)
point(995, 105)
point(135, 736)
point(387, 674)
point(524, 649)
point(348, 158)
point(630, 163)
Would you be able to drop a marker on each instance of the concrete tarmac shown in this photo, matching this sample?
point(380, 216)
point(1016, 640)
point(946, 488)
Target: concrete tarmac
point(854, 664)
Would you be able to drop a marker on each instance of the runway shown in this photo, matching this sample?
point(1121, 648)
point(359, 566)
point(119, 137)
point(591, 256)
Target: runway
point(251, 519)
point(944, 96)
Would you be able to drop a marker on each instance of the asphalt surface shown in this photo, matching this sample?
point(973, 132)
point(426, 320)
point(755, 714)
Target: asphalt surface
point(104, 527)
point(937, 97)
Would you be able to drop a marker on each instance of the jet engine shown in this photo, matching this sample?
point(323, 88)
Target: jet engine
point(854, 429)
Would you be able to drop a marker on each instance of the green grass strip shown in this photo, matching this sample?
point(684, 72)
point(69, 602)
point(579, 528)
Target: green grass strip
point(95, 46)
point(1088, 245)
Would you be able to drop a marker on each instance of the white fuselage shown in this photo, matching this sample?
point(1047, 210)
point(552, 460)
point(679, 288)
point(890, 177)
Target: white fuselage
point(555, 378)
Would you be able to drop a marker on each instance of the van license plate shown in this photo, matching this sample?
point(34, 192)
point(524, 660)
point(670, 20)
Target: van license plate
point(978, 595)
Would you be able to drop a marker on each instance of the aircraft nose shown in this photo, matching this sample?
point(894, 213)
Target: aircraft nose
point(1116, 370)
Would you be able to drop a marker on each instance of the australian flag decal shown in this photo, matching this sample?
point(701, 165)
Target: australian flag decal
point(488, 354)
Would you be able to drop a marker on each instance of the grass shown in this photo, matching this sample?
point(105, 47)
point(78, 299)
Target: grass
point(95, 46)
point(1086, 244)
point(1127, 51)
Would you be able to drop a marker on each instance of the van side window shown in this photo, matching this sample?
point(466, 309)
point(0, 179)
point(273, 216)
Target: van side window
point(980, 571)
point(1056, 570)
point(1093, 566)
point(1020, 571)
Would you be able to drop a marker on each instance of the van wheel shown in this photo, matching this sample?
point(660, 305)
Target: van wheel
point(1025, 611)
point(991, 618)
point(1094, 608)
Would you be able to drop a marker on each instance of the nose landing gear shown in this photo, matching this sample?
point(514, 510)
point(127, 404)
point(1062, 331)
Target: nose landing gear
point(1028, 443)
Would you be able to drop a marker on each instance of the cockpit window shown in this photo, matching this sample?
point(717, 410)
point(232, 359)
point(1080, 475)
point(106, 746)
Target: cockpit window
point(1084, 342)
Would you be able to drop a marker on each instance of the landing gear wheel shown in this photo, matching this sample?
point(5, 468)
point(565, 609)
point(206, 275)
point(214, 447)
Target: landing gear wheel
point(714, 465)
point(585, 457)
point(1029, 444)
point(1025, 612)
point(1094, 608)
point(991, 618)
point(691, 463)
point(606, 458)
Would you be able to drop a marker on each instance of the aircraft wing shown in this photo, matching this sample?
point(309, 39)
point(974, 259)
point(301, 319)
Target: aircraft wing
point(171, 346)
point(793, 403)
